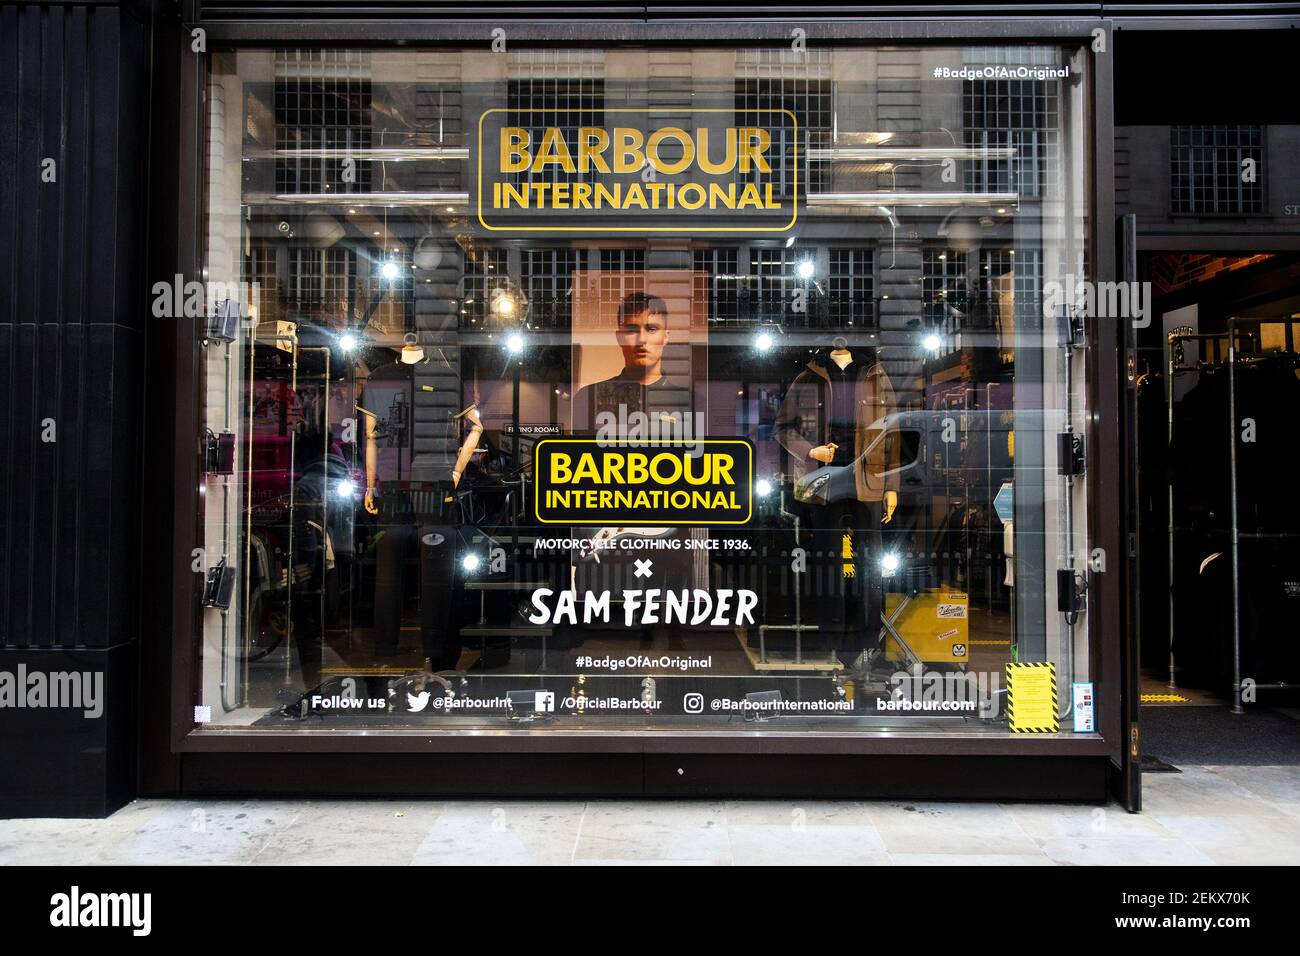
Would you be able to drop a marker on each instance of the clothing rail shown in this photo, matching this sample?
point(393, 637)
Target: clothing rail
point(1232, 486)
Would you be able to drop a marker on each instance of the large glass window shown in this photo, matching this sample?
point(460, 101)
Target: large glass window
point(678, 389)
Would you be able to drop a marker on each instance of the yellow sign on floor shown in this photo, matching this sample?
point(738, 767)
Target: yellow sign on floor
point(1031, 698)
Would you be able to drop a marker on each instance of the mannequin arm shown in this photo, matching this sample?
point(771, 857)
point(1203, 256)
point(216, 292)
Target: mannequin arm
point(372, 462)
point(468, 446)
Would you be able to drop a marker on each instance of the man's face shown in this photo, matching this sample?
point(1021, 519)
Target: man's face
point(642, 338)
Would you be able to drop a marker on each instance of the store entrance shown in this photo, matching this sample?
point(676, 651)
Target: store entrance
point(1218, 378)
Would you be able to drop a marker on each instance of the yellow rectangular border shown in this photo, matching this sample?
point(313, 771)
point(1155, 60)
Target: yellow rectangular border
point(632, 109)
point(632, 443)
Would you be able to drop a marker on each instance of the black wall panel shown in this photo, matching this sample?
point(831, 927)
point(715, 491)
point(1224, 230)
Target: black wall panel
point(73, 81)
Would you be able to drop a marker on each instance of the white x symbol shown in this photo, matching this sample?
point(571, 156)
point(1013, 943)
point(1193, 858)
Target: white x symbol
point(643, 569)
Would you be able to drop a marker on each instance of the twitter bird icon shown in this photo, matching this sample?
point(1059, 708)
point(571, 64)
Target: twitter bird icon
point(416, 704)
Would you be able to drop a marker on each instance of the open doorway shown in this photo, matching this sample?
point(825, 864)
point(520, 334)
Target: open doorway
point(1218, 390)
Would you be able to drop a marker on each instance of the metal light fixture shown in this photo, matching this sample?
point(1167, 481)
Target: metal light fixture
point(412, 351)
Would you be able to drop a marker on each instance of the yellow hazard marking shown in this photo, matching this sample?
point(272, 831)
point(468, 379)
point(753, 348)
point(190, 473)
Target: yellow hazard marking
point(1031, 698)
point(1164, 699)
point(365, 670)
point(990, 643)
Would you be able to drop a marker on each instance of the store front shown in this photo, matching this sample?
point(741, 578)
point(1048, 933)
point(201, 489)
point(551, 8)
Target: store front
point(640, 417)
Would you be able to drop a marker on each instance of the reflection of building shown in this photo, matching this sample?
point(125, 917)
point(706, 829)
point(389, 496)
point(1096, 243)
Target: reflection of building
point(934, 198)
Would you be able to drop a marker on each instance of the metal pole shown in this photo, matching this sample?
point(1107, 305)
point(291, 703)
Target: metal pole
point(325, 492)
point(225, 545)
point(1232, 491)
point(1169, 441)
point(293, 464)
point(249, 623)
point(1066, 704)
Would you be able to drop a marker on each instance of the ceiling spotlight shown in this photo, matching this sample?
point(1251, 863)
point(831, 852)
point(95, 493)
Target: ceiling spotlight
point(348, 342)
point(762, 487)
point(389, 270)
point(1002, 211)
point(806, 269)
point(764, 341)
point(470, 562)
point(352, 212)
point(931, 342)
point(889, 563)
point(514, 343)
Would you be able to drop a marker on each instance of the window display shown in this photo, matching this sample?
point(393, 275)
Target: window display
point(602, 390)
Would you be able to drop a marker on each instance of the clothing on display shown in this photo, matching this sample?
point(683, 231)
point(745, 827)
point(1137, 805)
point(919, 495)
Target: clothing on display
point(833, 423)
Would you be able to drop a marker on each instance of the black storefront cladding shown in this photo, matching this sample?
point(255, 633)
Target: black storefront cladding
point(96, 523)
point(73, 144)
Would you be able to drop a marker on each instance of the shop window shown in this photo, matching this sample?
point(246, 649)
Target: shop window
point(381, 489)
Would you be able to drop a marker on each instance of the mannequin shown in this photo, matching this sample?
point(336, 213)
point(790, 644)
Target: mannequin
point(394, 531)
point(438, 543)
point(825, 453)
point(832, 423)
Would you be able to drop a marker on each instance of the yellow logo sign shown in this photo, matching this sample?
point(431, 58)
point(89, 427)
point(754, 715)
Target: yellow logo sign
point(537, 174)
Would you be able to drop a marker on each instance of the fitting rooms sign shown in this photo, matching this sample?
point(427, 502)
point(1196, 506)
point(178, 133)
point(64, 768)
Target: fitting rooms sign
point(709, 170)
